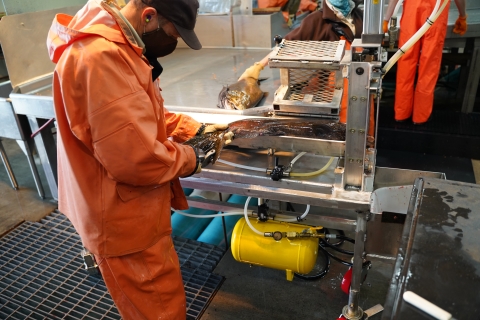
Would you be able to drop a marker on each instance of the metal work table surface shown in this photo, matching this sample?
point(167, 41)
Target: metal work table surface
point(195, 78)
point(439, 258)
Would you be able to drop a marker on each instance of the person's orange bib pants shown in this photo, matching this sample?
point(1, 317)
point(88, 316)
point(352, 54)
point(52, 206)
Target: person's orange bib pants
point(146, 284)
point(425, 56)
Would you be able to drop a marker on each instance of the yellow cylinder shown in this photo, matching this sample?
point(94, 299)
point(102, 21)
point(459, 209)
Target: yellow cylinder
point(292, 255)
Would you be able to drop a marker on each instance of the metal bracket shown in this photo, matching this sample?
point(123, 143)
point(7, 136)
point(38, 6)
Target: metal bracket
point(89, 262)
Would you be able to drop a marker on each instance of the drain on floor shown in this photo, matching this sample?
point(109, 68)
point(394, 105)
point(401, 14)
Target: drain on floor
point(41, 275)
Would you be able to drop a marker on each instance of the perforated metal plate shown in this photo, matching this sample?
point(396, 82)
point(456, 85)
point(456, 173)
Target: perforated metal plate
point(42, 276)
point(307, 54)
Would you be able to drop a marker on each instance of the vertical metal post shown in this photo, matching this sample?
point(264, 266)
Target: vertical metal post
point(33, 168)
point(47, 150)
point(357, 123)
point(372, 21)
point(352, 311)
point(7, 165)
point(224, 224)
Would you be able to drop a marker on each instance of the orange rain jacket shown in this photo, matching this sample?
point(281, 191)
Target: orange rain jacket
point(117, 170)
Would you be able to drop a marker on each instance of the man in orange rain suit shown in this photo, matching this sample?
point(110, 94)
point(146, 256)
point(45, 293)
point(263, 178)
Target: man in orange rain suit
point(424, 57)
point(119, 160)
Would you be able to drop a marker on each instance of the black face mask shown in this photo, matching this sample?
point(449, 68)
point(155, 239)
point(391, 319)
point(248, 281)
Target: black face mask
point(157, 67)
point(158, 43)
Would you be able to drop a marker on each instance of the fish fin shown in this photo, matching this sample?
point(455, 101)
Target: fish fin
point(222, 97)
point(218, 147)
point(262, 79)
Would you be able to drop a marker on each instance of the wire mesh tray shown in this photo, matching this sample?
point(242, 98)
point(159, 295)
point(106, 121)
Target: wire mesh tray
point(309, 91)
point(308, 54)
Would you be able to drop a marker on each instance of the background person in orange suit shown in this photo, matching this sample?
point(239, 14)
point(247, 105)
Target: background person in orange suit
point(423, 58)
point(119, 152)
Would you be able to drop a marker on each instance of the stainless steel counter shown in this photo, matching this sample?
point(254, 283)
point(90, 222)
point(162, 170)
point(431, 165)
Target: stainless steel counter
point(439, 256)
point(194, 79)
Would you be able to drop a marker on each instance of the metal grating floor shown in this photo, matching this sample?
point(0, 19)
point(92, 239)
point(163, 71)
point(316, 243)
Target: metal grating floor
point(42, 276)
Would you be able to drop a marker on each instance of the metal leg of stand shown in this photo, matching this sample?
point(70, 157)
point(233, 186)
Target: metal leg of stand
point(33, 168)
point(7, 165)
point(47, 152)
point(352, 311)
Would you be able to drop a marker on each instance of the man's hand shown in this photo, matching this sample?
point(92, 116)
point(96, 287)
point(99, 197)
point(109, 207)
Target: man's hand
point(385, 26)
point(227, 137)
point(215, 127)
point(460, 26)
point(252, 72)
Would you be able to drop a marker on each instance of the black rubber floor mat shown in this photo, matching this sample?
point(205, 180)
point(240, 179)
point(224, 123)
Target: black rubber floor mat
point(42, 276)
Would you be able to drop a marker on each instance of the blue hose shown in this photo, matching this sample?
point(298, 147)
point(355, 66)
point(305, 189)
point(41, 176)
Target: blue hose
point(188, 227)
point(187, 191)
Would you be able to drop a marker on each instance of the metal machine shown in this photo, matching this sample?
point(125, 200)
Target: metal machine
point(352, 195)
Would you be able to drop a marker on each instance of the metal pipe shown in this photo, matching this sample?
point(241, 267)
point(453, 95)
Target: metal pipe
point(33, 168)
point(353, 310)
point(372, 20)
point(7, 165)
point(373, 17)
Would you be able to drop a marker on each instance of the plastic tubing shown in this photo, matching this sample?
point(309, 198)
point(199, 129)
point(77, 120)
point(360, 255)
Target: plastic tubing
point(433, 16)
point(241, 166)
point(299, 218)
point(301, 154)
point(245, 211)
point(292, 174)
point(234, 213)
point(314, 173)
point(397, 7)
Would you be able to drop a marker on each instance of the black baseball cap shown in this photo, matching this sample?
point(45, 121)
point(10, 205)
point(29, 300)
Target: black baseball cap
point(183, 15)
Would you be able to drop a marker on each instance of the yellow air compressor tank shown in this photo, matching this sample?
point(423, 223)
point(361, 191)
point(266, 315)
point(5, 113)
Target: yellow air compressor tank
point(291, 255)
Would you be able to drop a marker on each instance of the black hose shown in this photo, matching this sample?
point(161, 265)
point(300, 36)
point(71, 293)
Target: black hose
point(336, 258)
point(345, 238)
point(320, 274)
point(336, 248)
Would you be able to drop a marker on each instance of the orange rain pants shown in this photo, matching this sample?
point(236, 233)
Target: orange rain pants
point(146, 284)
point(425, 57)
point(344, 106)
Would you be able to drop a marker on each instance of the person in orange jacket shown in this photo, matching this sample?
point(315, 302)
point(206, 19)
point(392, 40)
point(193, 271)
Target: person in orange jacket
point(424, 57)
point(119, 151)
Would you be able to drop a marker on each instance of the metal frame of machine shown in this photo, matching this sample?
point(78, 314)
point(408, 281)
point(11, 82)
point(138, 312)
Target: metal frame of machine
point(347, 193)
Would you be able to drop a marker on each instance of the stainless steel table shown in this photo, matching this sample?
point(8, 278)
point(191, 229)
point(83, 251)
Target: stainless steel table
point(13, 128)
point(439, 256)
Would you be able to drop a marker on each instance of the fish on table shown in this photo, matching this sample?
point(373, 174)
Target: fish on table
point(315, 128)
point(241, 95)
point(210, 145)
